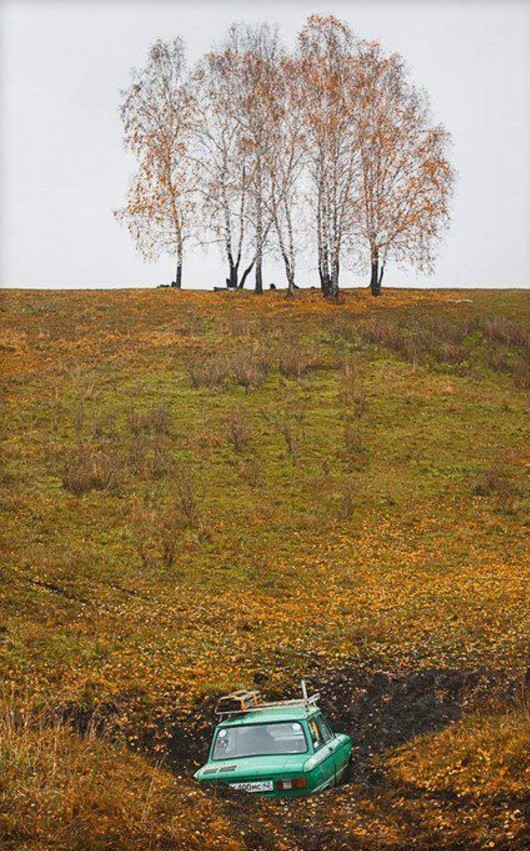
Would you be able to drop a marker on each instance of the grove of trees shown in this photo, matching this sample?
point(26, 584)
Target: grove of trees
point(328, 149)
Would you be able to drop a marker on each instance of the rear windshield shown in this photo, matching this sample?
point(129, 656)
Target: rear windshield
point(281, 737)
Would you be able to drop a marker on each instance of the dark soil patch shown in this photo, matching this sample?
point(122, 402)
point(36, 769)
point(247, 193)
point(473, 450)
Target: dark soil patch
point(381, 710)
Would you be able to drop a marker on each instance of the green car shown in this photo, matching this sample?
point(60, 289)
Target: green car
point(277, 750)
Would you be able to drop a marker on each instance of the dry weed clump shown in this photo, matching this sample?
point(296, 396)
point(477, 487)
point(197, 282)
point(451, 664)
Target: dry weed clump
point(348, 500)
point(246, 367)
point(88, 468)
point(157, 527)
point(383, 332)
point(428, 338)
point(185, 496)
point(496, 481)
point(291, 428)
point(210, 371)
point(521, 373)
point(249, 368)
point(155, 535)
point(155, 421)
point(353, 437)
point(149, 457)
point(238, 431)
point(352, 392)
point(249, 472)
point(500, 329)
point(296, 358)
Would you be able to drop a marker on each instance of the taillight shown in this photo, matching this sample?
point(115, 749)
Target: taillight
point(295, 783)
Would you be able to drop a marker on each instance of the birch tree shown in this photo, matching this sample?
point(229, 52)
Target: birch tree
point(285, 159)
point(327, 62)
point(252, 54)
point(224, 165)
point(158, 116)
point(406, 179)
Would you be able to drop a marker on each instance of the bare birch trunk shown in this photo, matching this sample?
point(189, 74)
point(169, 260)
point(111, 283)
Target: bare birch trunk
point(177, 283)
point(376, 278)
point(258, 288)
point(245, 275)
point(259, 275)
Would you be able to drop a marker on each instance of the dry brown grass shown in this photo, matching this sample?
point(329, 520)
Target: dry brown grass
point(59, 790)
point(521, 373)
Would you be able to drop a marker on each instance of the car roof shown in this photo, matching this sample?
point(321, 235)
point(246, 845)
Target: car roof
point(267, 716)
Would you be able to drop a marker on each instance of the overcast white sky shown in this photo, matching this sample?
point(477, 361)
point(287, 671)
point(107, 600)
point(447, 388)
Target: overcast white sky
point(63, 167)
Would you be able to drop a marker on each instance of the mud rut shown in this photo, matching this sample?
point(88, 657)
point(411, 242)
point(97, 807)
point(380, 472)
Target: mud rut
point(380, 710)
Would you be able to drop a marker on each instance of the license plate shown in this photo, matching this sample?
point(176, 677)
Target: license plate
point(257, 786)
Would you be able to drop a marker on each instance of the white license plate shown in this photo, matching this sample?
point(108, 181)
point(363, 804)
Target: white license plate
point(257, 786)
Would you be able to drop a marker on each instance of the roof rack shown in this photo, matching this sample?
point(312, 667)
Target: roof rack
point(239, 702)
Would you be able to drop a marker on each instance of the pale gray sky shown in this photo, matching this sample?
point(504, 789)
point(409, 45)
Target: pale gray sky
point(63, 167)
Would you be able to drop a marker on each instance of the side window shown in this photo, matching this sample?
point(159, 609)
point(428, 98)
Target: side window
point(316, 736)
point(324, 728)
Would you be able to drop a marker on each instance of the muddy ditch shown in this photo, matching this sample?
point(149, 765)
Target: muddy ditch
point(379, 709)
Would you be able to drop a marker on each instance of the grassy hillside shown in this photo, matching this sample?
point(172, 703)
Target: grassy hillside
point(204, 491)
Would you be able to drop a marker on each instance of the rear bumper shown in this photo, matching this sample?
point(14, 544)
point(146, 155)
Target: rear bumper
point(274, 793)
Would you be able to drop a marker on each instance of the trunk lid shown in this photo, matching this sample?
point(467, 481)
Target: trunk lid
point(253, 768)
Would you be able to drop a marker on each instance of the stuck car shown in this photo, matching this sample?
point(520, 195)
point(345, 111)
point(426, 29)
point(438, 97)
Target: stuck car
point(281, 749)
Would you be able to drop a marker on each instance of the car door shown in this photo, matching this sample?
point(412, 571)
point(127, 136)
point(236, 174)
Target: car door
point(339, 753)
point(325, 767)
